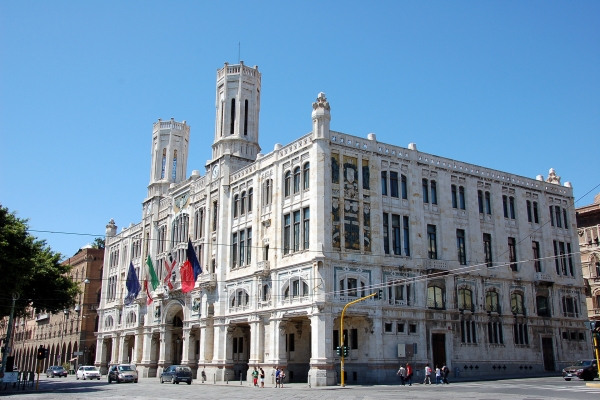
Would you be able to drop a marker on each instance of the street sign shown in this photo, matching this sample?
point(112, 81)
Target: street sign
point(78, 353)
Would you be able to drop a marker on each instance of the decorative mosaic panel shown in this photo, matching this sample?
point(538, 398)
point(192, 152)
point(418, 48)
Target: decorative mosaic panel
point(335, 168)
point(366, 175)
point(335, 219)
point(367, 226)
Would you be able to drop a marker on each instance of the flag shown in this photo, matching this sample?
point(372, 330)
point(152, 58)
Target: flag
point(154, 282)
point(132, 284)
point(190, 270)
point(150, 300)
point(170, 267)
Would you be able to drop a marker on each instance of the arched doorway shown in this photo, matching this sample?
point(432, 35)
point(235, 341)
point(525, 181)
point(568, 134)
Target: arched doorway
point(176, 339)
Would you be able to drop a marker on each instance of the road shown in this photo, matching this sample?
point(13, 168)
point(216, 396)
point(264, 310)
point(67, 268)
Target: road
point(529, 389)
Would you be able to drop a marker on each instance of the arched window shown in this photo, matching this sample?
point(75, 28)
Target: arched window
point(266, 292)
point(240, 299)
point(267, 191)
point(286, 183)
point(492, 303)
point(516, 303)
point(180, 229)
point(243, 204)
point(296, 288)
point(250, 199)
point(436, 298)
point(296, 179)
point(465, 300)
point(232, 125)
point(108, 322)
point(306, 176)
point(236, 205)
point(399, 293)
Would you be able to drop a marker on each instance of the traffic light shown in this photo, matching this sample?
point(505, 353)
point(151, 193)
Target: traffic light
point(345, 349)
point(41, 353)
point(379, 294)
point(338, 351)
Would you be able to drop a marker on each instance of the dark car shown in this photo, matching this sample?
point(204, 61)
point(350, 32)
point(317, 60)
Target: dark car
point(122, 373)
point(176, 374)
point(582, 369)
point(56, 370)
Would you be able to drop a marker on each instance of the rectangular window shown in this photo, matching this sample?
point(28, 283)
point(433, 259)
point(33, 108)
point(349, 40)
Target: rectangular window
point(537, 262)
point(520, 333)
point(248, 246)
point(388, 327)
point(556, 261)
point(404, 187)
point(306, 212)
point(480, 201)
point(488, 203)
point(454, 196)
point(287, 231)
point(551, 215)
point(396, 234)
point(570, 258)
point(505, 206)
point(461, 247)
point(215, 216)
point(296, 230)
point(234, 250)
point(242, 247)
point(529, 215)
point(461, 198)
point(412, 328)
point(336, 339)
point(487, 249)
point(406, 236)
point(563, 261)
point(386, 234)
point(511, 207)
point(512, 253)
point(394, 184)
point(468, 331)
point(536, 218)
point(565, 218)
point(433, 192)
point(425, 191)
point(400, 328)
point(384, 186)
point(431, 242)
point(354, 339)
point(558, 220)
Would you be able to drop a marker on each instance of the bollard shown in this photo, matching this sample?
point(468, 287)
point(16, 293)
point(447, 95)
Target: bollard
point(240, 379)
point(215, 379)
point(309, 381)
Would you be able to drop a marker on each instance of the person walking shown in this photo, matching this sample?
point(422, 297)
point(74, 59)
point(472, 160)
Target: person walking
point(255, 377)
point(277, 372)
point(427, 380)
point(262, 378)
point(438, 375)
point(281, 377)
point(445, 373)
point(402, 374)
point(409, 373)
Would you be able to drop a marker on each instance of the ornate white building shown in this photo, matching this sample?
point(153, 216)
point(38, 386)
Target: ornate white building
point(479, 268)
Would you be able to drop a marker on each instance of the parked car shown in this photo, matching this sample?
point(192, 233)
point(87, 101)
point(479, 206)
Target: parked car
point(122, 373)
point(176, 374)
point(56, 370)
point(87, 372)
point(582, 369)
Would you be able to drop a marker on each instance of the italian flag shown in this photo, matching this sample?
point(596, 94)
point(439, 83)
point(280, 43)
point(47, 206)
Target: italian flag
point(153, 278)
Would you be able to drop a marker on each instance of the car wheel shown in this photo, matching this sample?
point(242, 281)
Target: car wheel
point(136, 381)
point(77, 377)
point(567, 379)
point(109, 381)
point(98, 378)
point(177, 382)
point(189, 382)
point(161, 380)
point(173, 381)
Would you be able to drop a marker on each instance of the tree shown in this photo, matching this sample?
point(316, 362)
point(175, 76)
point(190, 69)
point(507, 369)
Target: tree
point(30, 267)
point(98, 243)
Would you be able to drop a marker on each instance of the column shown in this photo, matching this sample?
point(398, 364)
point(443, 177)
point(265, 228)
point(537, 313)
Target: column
point(164, 355)
point(138, 348)
point(99, 351)
point(185, 355)
point(322, 371)
point(123, 349)
point(256, 342)
point(205, 352)
point(277, 344)
point(115, 348)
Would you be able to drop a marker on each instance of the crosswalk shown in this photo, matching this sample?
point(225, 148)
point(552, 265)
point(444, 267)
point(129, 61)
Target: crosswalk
point(516, 385)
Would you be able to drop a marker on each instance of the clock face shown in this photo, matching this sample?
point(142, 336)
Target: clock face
point(215, 171)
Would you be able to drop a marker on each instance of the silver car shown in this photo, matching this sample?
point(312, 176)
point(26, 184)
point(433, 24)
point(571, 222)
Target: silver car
point(88, 372)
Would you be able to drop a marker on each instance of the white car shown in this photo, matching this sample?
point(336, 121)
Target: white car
point(88, 372)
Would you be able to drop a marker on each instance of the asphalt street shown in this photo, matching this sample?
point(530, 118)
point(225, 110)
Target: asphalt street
point(527, 389)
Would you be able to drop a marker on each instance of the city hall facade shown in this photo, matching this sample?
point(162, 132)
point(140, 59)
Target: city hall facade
point(478, 268)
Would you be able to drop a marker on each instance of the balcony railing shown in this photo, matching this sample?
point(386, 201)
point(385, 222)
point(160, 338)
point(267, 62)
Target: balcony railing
point(494, 308)
point(436, 305)
point(207, 280)
point(263, 267)
point(436, 265)
point(543, 277)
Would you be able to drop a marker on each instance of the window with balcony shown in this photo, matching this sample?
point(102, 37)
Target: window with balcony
point(399, 293)
point(432, 242)
point(239, 299)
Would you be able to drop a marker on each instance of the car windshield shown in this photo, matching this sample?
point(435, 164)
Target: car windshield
point(125, 368)
point(183, 369)
point(90, 368)
point(57, 368)
point(583, 363)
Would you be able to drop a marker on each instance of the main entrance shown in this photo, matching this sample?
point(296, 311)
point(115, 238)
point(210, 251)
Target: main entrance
point(548, 353)
point(438, 347)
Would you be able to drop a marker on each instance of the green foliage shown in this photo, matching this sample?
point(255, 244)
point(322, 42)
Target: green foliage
point(98, 243)
point(29, 267)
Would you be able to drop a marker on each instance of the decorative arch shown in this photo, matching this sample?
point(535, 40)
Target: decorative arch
point(109, 321)
point(295, 288)
point(239, 299)
point(171, 310)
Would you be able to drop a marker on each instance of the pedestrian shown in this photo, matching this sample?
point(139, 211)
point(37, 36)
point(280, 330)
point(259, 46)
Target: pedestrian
point(402, 374)
point(276, 373)
point(438, 375)
point(281, 377)
point(445, 373)
point(203, 376)
point(409, 374)
point(427, 375)
point(262, 378)
point(255, 377)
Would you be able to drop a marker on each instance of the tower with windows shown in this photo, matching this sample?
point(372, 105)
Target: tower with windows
point(170, 145)
point(237, 108)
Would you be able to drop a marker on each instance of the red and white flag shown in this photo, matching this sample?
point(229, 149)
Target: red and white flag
point(170, 268)
point(147, 289)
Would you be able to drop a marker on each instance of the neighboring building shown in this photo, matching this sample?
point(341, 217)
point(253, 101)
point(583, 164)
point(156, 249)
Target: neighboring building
point(588, 224)
point(69, 332)
point(475, 264)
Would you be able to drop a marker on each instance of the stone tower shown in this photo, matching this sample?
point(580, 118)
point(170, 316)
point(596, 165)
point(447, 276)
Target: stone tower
point(237, 109)
point(170, 146)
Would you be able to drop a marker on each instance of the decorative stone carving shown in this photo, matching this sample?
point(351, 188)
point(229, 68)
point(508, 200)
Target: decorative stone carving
point(321, 102)
point(552, 177)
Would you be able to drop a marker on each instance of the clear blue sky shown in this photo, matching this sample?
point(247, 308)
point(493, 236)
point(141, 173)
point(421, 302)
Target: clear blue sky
point(509, 85)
